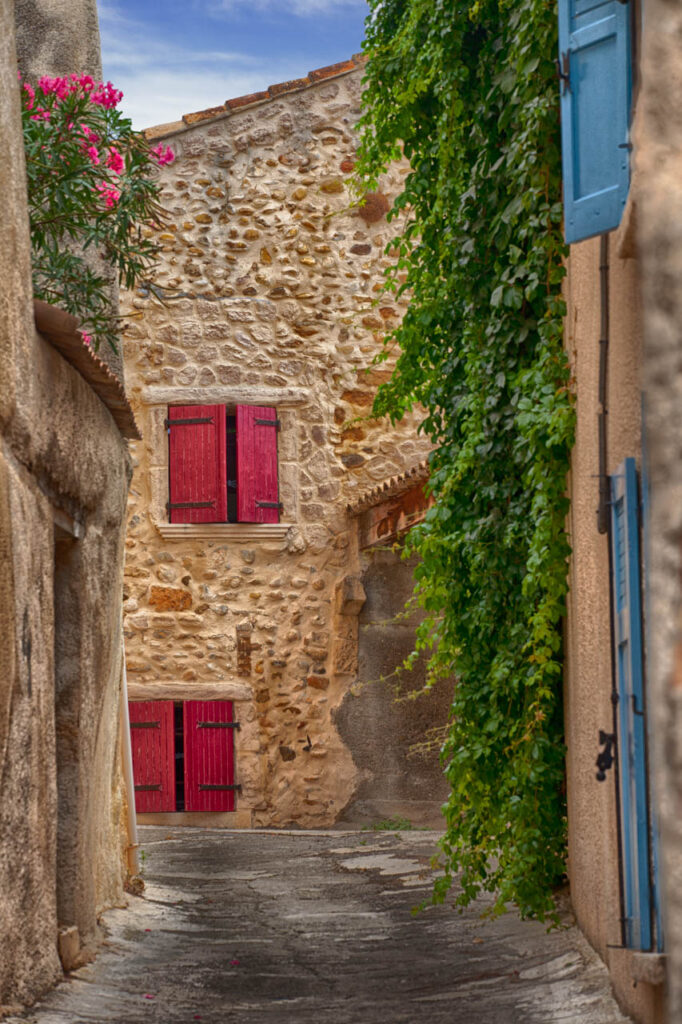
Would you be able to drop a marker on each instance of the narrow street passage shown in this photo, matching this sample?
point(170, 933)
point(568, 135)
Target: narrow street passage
point(317, 927)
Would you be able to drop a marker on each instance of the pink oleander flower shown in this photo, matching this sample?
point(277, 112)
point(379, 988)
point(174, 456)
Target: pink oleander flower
point(115, 161)
point(87, 83)
point(41, 114)
point(162, 156)
point(106, 95)
point(31, 93)
point(91, 136)
point(87, 338)
point(110, 194)
point(93, 154)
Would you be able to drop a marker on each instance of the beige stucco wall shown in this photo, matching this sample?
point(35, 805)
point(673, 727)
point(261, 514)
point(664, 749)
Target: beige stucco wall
point(593, 854)
point(60, 455)
point(278, 278)
point(659, 161)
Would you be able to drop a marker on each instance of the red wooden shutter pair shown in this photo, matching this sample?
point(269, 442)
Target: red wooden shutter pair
point(198, 464)
point(209, 755)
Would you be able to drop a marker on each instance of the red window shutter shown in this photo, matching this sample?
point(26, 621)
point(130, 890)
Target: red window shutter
point(153, 743)
point(209, 755)
point(257, 486)
point(197, 464)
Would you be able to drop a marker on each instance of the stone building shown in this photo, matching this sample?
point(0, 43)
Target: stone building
point(64, 472)
point(246, 589)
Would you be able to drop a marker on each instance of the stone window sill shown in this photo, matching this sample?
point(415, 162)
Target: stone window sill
point(225, 531)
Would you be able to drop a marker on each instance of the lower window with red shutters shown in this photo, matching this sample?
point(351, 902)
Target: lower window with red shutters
point(183, 755)
point(223, 464)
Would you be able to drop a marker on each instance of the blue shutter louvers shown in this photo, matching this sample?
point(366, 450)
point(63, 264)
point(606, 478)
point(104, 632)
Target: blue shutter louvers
point(596, 84)
point(632, 759)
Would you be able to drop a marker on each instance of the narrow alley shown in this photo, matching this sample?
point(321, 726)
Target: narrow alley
point(266, 927)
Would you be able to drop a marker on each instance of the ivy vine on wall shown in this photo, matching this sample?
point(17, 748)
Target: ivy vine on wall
point(468, 92)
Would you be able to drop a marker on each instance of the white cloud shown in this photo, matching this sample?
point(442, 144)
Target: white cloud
point(161, 80)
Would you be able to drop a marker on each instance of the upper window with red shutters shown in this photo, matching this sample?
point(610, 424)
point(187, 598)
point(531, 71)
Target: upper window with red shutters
point(223, 464)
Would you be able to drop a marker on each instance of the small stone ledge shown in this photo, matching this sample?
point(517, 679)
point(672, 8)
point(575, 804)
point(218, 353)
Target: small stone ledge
point(648, 968)
point(237, 532)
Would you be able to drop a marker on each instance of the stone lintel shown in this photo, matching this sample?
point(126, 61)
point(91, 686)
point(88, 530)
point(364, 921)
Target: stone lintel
point(224, 395)
point(170, 689)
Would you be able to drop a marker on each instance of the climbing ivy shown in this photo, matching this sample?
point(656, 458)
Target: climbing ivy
point(467, 93)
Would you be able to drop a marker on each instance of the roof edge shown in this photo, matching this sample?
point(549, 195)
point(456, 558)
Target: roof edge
point(239, 103)
point(62, 331)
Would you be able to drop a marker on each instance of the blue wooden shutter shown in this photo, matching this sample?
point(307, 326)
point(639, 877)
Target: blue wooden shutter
point(595, 53)
point(631, 721)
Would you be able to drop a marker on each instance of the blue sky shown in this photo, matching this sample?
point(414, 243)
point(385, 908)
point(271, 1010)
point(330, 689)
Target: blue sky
point(171, 57)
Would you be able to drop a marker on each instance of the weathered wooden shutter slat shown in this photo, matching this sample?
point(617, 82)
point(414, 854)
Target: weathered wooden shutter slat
point(197, 464)
point(632, 760)
point(209, 755)
point(153, 746)
point(595, 57)
point(257, 483)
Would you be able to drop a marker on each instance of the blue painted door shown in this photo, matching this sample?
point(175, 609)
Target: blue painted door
point(646, 562)
point(595, 59)
point(632, 754)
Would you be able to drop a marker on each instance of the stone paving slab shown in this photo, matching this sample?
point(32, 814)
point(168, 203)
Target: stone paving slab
point(266, 928)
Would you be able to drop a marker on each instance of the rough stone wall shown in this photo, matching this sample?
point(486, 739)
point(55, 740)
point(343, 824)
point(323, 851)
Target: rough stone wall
point(659, 163)
point(60, 455)
point(276, 279)
point(401, 775)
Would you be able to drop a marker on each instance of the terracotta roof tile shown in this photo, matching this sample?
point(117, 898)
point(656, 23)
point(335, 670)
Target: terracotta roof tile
point(247, 100)
point(239, 102)
point(291, 86)
point(332, 70)
point(203, 115)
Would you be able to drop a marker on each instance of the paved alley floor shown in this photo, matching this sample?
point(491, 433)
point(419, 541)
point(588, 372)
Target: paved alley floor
point(303, 927)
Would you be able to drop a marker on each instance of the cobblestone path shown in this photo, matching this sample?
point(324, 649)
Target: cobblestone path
point(303, 927)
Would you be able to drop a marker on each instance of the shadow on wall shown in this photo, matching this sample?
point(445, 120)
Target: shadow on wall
point(379, 728)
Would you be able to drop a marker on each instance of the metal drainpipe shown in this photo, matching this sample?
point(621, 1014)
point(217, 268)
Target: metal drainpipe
point(604, 526)
point(127, 759)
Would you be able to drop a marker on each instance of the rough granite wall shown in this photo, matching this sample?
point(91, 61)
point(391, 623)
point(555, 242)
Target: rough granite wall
point(659, 164)
point(275, 278)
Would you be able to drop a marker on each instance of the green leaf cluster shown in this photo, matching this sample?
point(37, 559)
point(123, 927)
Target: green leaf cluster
point(467, 93)
point(78, 242)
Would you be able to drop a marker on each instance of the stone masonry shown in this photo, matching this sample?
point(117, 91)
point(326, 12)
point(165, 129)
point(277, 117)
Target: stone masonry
point(268, 293)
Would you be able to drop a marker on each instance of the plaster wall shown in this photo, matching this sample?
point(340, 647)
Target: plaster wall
point(61, 456)
point(659, 161)
point(272, 278)
point(592, 824)
point(56, 37)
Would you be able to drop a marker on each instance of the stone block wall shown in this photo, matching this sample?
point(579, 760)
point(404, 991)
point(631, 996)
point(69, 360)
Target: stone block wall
point(270, 281)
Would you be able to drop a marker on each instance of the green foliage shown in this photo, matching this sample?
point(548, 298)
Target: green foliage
point(467, 92)
point(397, 824)
point(91, 187)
